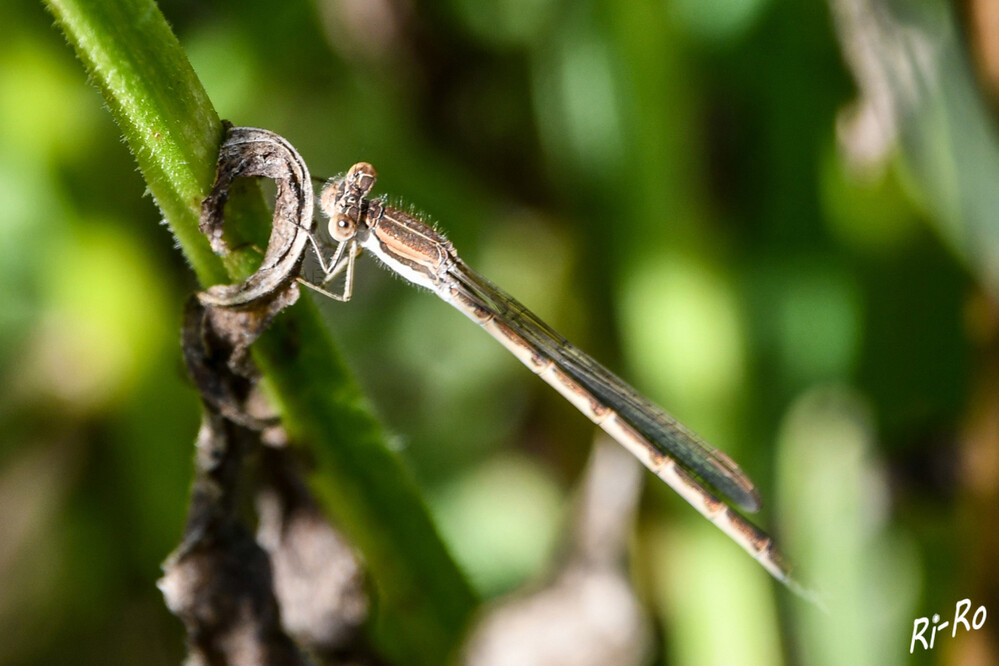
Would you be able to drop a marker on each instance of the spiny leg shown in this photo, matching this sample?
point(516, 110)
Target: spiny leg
point(319, 254)
point(339, 264)
point(348, 277)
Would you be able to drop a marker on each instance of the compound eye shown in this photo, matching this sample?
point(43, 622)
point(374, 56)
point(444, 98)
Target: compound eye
point(342, 228)
point(330, 195)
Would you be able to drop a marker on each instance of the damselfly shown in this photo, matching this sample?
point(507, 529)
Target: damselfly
point(421, 255)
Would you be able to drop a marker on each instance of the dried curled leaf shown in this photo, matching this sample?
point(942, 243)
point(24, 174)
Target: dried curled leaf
point(249, 152)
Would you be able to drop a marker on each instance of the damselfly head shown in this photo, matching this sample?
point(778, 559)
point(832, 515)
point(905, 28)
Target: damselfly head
point(342, 200)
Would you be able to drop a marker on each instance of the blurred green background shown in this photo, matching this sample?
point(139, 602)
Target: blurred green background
point(689, 191)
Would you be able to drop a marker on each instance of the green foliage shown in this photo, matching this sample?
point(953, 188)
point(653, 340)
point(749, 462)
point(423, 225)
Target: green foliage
point(662, 182)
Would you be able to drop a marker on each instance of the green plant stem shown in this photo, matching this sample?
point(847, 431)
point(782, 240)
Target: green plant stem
point(174, 132)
